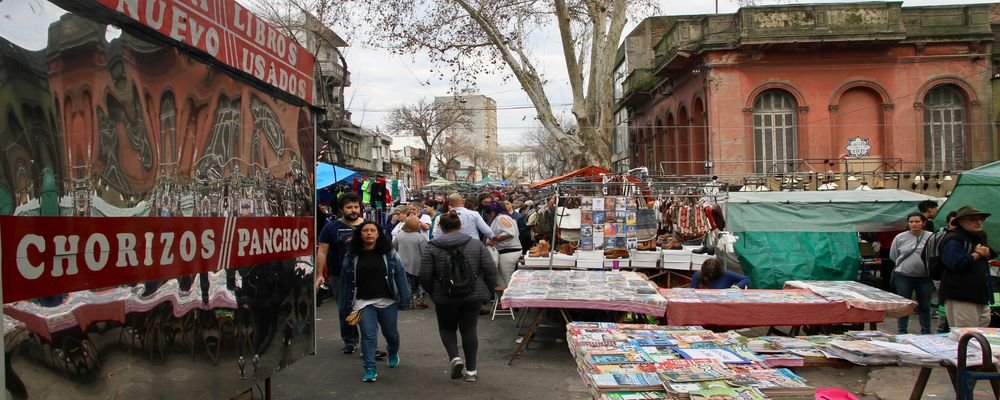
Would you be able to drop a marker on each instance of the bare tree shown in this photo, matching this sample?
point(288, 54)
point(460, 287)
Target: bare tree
point(432, 123)
point(505, 170)
point(450, 149)
point(473, 37)
point(552, 159)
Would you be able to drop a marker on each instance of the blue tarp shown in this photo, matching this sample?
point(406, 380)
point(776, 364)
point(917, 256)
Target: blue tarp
point(327, 174)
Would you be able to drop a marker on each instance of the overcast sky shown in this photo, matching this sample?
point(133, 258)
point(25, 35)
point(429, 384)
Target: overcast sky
point(381, 81)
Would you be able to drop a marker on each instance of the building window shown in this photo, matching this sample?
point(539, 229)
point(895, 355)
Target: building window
point(621, 131)
point(774, 131)
point(619, 81)
point(944, 128)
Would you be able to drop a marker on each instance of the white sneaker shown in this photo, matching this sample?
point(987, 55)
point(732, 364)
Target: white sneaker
point(457, 368)
point(470, 376)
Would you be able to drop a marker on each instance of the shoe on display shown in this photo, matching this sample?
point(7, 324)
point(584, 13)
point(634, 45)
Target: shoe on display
point(393, 360)
point(457, 368)
point(370, 375)
point(470, 376)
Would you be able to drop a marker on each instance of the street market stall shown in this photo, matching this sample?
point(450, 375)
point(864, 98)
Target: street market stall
point(562, 290)
point(979, 187)
point(810, 235)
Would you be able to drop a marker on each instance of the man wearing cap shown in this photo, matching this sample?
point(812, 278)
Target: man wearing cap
point(397, 215)
point(966, 285)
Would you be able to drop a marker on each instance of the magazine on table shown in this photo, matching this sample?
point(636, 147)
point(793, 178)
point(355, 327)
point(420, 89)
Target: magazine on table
point(728, 393)
point(694, 370)
point(636, 381)
point(722, 354)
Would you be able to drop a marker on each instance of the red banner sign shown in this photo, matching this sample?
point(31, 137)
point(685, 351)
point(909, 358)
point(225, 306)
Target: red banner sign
point(43, 256)
point(230, 33)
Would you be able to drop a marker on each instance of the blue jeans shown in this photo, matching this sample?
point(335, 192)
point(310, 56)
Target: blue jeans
point(924, 288)
point(371, 318)
point(349, 334)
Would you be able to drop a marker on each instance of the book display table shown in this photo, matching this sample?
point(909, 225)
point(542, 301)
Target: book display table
point(619, 291)
point(744, 308)
point(858, 295)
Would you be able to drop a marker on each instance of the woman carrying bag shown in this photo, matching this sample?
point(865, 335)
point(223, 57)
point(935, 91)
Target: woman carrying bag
point(374, 279)
point(910, 274)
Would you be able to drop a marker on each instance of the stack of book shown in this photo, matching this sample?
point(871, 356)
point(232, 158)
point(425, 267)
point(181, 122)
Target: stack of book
point(629, 361)
point(863, 352)
point(992, 335)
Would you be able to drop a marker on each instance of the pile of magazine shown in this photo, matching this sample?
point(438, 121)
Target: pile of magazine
point(629, 361)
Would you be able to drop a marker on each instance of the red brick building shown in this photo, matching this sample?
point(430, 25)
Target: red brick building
point(785, 89)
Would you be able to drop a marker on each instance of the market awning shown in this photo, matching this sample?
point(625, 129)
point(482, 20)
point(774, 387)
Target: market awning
point(585, 172)
point(821, 211)
point(327, 174)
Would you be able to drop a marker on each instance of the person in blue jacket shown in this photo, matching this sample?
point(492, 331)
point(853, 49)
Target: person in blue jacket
point(374, 282)
point(714, 276)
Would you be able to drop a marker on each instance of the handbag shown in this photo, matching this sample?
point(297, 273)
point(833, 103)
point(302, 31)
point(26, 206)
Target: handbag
point(353, 318)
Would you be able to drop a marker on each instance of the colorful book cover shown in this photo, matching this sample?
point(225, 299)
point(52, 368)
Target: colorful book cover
point(586, 203)
point(587, 230)
point(610, 242)
point(598, 203)
point(587, 243)
point(694, 370)
point(630, 218)
point(721, 354)
point(598, 217)
point(609, 203)
point(639, 381)
point(647, 395)
point(728, 393)
point(688, 387)
point(610, 230)
point(586, 217)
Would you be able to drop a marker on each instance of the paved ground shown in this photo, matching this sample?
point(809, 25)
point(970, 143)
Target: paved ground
point(546, 370)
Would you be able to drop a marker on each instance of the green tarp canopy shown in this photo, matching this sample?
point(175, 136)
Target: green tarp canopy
point(810, 235)
point(979, 188)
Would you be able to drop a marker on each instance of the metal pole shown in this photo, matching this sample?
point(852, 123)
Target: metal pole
point(555, 225)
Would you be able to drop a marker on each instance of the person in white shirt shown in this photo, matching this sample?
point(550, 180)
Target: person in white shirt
point(472, 223)
point(506, 241)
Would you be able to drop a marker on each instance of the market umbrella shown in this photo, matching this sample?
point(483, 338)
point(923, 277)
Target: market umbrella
point(328, 174)
point(439, 183)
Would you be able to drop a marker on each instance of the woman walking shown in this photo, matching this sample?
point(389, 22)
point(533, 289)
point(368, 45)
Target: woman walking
point(374, 280)
point(910, 274)
point(457, 313)
point(505, 240)
point(410, 243)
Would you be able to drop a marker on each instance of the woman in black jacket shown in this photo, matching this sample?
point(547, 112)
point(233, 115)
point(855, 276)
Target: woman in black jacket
point(457, 313)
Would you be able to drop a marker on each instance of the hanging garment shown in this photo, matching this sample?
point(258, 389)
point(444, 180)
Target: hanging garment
point(395, 189)
point(366, 192)
point(403, 191)
point(379, 193)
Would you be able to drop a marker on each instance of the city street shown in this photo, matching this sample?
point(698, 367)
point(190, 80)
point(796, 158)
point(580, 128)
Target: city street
point(545, 371)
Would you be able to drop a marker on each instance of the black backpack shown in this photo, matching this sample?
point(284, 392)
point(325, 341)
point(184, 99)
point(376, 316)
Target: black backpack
point(931, 254)
point(460, 280)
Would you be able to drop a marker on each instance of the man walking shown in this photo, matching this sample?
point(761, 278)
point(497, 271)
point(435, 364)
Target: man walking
point(473, 224)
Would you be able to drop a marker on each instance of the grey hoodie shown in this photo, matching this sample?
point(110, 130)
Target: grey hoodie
point(436, 261)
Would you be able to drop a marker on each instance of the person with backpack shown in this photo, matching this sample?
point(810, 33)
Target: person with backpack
point(911, 274)
point(374, 281)
point(460, 275)
point(966, 284)
point(932, 258)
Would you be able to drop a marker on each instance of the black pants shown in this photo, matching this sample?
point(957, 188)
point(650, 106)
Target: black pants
point(459, 317)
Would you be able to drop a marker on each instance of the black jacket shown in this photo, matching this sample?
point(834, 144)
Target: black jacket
point(435, 263)
point(964, 279)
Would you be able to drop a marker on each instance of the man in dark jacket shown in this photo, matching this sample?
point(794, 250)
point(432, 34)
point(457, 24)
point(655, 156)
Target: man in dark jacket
point(457, 313)
point(966, 283)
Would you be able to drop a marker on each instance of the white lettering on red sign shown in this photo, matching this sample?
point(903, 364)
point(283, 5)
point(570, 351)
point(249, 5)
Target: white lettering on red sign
point(229, 33)
point(65, 251)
